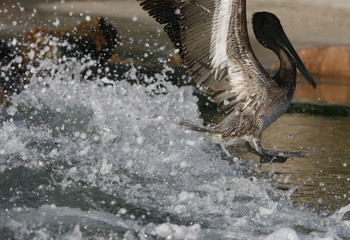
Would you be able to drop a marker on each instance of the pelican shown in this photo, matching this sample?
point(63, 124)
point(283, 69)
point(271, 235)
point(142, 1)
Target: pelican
point(213, 41)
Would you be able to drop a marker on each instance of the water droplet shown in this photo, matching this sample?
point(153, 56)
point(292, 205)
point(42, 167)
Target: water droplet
point(83, 135)
point(139, 140)
point(56, 22)
point(122, 211)
point(134, 18)
point(14, 42)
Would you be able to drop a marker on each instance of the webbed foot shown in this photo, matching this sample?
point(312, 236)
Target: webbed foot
point(266, 158)
point(270, 156)
point(284, 153)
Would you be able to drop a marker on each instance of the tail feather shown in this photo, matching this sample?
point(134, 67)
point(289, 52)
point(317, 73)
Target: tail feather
point(192, 126)
point(211, 133)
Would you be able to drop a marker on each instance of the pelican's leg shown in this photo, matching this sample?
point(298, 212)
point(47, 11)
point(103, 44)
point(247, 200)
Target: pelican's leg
point(257, 145)
point(251, 149)
point(224, 149)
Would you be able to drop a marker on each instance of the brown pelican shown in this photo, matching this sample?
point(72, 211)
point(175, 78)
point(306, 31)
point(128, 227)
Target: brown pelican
point(213, 41)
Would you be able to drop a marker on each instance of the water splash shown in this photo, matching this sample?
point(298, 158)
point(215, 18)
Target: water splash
point(80, 160)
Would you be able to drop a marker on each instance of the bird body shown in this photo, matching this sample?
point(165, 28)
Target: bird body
point(214, 44)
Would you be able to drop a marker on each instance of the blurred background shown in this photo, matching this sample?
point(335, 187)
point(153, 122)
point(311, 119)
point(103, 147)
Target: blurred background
point(320, 30)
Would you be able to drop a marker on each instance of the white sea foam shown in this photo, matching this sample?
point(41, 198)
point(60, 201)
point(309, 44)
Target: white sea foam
point(124, 140)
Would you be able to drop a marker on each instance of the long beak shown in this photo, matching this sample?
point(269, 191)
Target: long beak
point(284, 42)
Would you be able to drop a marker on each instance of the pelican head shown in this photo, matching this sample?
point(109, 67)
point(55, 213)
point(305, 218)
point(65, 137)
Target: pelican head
point(269, 32)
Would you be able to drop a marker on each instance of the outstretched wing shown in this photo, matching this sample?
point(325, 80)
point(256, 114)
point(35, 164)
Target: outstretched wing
point(165, 12)
point(215, 47)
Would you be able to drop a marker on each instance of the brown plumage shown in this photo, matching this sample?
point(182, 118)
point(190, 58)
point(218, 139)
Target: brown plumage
point(213, 41)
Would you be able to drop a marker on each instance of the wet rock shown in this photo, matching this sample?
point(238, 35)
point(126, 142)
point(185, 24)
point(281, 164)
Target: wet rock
point(3, 98)
point(330, 91)
point(95, 39)
point(175, 60)
point(330, 67)
point(6, 53)
point(327, 60)
point(90, 40)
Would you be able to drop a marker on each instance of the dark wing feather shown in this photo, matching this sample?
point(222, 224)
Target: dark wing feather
point(165, 12)
point(215, 48)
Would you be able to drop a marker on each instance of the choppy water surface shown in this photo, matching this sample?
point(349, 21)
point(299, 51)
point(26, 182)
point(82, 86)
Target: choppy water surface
point(322, 179)
point(104, 160)
point(81, 160)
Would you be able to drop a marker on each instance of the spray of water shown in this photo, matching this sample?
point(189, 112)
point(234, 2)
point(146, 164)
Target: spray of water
point(82, 159)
